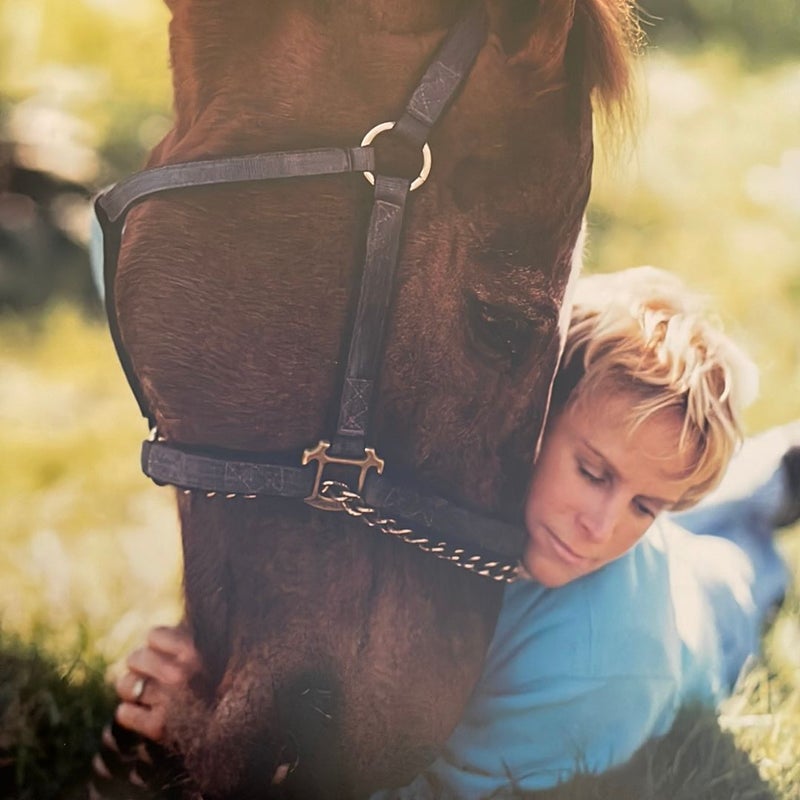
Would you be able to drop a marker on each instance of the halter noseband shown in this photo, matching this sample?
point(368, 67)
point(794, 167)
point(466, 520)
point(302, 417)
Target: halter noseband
point(485, 545)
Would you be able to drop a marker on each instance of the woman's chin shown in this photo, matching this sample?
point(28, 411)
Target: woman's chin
point(545, 572)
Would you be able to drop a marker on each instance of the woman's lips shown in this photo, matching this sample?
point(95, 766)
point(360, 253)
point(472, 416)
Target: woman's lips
point(564, 551)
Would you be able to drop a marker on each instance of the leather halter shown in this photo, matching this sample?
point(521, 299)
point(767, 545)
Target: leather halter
point(485, 545)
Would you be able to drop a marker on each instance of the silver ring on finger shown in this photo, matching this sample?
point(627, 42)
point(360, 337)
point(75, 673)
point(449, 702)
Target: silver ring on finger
point(138, 688)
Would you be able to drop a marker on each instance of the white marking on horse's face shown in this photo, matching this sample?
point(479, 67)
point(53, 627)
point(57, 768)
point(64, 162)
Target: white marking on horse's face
point(565, 313)
point(564, 316)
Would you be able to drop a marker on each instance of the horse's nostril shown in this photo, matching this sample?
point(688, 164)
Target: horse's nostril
point(319, 700)
point(309, 714)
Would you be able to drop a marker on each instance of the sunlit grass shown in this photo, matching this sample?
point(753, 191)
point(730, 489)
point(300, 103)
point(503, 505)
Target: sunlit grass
point(764, 715)
point(87, 540)
point(713, 192)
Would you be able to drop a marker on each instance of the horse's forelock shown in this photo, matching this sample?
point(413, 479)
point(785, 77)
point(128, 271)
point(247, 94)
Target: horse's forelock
point(590, 43)
point(613, 36)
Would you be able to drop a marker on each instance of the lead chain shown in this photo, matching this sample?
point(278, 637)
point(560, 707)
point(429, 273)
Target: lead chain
point(355, 505)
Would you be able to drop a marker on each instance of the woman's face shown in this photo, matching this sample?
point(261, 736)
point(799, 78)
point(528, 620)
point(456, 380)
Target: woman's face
point(597, 487)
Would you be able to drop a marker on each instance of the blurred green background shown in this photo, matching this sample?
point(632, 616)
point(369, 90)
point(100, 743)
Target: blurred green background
point(710, 188)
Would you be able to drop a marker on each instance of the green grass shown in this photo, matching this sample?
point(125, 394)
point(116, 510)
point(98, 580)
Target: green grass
point(697, 760)
point(51, 713)
point(90, 555)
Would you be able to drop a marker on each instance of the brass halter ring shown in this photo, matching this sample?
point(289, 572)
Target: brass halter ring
point(426, 155)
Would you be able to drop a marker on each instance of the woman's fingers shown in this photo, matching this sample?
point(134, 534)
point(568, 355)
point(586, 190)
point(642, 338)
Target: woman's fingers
point(133, 687)
point(145, 698)
point(177, 643)
point(154, 664)
point(157, 673)
point(146, 720)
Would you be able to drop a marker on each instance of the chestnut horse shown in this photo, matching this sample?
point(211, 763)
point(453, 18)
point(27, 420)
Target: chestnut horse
point(340, 651)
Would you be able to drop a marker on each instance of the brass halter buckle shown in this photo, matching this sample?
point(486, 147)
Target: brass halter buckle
point(319, 453)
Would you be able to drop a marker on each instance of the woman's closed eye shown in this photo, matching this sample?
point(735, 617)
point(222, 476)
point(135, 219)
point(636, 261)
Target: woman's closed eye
point(596, 478)
point(644, 511)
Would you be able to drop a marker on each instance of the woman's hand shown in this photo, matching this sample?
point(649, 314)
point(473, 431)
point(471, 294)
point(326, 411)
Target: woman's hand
point(157, 673)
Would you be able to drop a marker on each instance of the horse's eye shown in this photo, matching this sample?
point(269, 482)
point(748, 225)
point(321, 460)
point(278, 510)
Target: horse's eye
point(499, 332)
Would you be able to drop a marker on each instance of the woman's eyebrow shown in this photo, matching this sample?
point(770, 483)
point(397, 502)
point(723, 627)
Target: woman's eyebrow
point(601, 456)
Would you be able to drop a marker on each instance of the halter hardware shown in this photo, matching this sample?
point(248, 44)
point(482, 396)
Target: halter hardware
point(319, 454)
point(369, 137)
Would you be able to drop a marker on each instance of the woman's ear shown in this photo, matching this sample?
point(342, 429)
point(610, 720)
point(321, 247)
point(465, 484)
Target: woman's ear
point(532, 32)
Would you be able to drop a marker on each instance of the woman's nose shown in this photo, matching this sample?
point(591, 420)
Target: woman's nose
point(599, 520)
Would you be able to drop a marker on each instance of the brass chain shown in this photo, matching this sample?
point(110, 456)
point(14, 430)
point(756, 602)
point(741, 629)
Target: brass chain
point(353, 504)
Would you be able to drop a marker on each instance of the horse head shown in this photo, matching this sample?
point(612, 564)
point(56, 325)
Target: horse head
point(322, 641)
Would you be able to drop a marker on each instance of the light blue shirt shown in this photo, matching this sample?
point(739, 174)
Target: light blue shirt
point(579, 677)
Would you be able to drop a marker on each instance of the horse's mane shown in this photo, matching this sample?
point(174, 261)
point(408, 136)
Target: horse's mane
point(589, 43)
point(613, 37)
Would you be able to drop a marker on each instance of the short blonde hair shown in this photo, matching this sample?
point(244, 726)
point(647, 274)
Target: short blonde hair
point(641, 333)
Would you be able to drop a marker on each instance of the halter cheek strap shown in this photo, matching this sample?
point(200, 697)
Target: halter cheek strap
point(344, 474)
